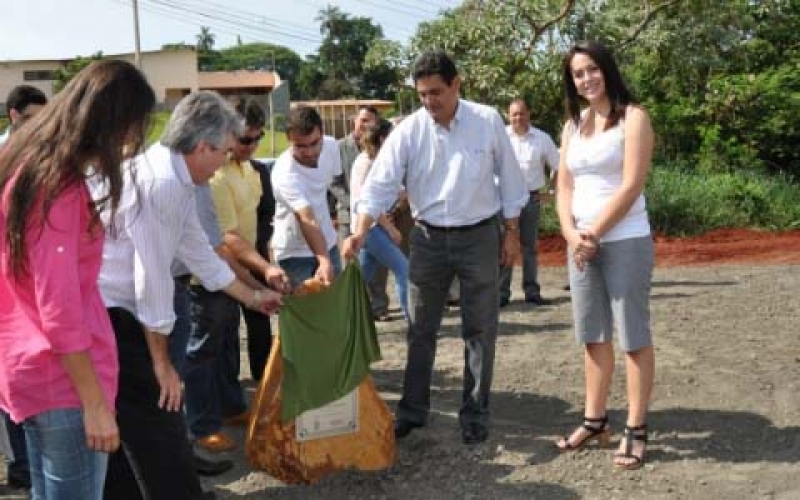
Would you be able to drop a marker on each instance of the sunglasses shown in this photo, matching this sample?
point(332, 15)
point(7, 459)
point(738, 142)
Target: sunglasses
point(247, 141)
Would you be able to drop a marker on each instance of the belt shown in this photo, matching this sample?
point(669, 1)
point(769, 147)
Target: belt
point(183, 279)
point(457, 229)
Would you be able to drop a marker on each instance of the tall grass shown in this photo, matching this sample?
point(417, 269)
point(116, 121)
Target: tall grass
point(682, 202)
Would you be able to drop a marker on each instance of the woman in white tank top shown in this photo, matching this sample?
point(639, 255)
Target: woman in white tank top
point(605, 156)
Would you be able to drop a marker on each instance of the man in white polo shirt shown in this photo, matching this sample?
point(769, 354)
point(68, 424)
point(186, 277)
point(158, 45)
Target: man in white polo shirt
point(304, 240)
point(535, 151)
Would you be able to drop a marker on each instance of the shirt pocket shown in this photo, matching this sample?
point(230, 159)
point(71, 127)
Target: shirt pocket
point(477, 162)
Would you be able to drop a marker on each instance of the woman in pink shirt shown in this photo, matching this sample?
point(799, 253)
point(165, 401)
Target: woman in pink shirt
point(58, 361)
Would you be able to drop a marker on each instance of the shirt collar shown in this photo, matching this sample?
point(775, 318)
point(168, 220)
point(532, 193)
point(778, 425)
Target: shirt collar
point(180, 167)
point(511, 132)
point(458, 116)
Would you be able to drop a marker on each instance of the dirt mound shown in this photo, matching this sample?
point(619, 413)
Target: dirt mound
point(717, 247)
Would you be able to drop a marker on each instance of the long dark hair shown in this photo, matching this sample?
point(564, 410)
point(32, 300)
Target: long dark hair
point(374, 136)
point(102, 109)
point(618, 94)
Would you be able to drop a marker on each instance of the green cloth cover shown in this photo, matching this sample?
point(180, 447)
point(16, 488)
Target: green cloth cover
point(328, 341)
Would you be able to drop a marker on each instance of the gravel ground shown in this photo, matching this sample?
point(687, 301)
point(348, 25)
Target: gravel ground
point(725, 415)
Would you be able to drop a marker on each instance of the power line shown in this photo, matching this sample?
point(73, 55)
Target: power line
point(227, 27)
point(229, 20)
point(249, 17)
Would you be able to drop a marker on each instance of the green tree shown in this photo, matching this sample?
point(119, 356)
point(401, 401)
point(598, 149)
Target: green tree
point(64, 74)
point(205, 39)
point(504, 50)
point(346, 41)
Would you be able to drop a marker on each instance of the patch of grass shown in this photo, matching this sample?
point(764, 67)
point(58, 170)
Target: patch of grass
point(682, 202)
point(264, 150)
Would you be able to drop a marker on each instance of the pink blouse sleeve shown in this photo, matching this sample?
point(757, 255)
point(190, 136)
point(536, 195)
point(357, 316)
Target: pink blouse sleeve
point(53, 266)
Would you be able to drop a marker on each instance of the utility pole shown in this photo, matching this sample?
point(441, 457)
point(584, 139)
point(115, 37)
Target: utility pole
point(272, 109)
point(137, 56)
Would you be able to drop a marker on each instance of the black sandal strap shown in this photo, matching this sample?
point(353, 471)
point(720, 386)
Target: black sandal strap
point(638, 433)
point(595, 429)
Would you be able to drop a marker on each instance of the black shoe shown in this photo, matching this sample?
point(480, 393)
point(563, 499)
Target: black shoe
point(504, 302)
point(18, 480)
point(537, 300)
point(474, 433)
point(403, 428)
point(205, 467)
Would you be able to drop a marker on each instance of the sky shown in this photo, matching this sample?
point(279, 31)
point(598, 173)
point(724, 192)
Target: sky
point(57, 29)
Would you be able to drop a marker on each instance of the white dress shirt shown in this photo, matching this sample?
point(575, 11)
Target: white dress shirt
point(297, 186)
point(534, 150)
point(156, 223)
point(454, 177)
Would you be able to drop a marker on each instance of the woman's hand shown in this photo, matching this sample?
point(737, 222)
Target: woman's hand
point(394, 234)
point(584, 245)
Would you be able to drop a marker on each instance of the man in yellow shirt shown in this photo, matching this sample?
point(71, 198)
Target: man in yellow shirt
point(237, 191)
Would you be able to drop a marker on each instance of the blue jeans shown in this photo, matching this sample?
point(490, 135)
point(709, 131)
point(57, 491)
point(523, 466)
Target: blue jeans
point(179, 337)
point(62, 466)
point(380, 250)
point(300, 269)
point(211, 379)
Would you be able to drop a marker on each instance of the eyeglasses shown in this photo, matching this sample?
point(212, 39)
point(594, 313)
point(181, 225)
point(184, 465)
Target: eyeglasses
point(247, 140)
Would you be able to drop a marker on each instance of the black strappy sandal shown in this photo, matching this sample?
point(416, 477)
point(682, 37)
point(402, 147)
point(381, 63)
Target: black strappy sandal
point(600, 431)
point(631, 434)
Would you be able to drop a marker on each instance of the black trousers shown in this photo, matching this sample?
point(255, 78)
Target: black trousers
point(155, 460)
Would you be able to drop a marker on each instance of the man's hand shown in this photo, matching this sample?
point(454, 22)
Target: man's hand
point(351, 246)
point(510, 249)
point(100, 426)
point(325, 273)
point(277, 279)
point(170, 384)
point(266, 301)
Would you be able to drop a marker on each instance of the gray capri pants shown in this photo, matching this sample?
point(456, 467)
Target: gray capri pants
point(614, 289)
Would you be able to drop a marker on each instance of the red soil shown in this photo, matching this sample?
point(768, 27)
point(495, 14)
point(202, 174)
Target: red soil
point(721, 246)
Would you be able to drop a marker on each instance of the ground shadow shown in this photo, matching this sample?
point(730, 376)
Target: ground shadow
point(670, 283)
point(433, 463)
point(663, 296)
point(724, 436)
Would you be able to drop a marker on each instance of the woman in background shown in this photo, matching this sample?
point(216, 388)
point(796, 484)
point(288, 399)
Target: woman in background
point(382, 244)
point(58, 367)
point(605, 156)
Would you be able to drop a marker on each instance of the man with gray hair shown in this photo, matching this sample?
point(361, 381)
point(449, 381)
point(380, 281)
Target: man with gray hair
point(156, 224)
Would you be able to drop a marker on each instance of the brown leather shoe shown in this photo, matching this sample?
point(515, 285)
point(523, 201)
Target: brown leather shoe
point(216, 443)
point(240, 420)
